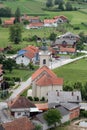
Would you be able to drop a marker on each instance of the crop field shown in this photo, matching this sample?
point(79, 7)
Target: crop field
point(73, 72)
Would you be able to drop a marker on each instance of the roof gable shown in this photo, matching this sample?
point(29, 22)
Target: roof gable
point(21, 102)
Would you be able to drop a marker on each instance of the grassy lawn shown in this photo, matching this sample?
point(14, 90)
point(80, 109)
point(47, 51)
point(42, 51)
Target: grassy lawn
point(73, 72)
point(28, 7)
point(23, 74)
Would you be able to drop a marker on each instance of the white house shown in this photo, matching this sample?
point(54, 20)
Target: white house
point(27, 55)
point(50, 23)
point(22, 106)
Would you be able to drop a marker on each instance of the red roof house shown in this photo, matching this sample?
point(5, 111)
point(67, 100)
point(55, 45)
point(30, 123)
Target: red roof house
point(19, 124)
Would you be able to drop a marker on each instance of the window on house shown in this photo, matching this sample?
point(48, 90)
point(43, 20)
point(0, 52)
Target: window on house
point(22, 55)
point(77, 97)
point(44, 61)
point(19, 113)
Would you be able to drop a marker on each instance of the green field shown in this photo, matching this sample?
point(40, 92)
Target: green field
point(35, 7)
point(26, 7)
point(22, 74)
point(73, 72)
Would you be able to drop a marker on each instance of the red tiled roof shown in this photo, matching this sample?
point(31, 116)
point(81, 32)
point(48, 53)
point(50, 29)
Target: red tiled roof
point(49, 21)
point(33, 48)
point(42, 70)
point(29, 54)
point(21, 102)
point(22, 123)
point(30, 51)
point(47, 80)
point(8, 22)
point(42, 106)
point(61, 16)
point(39, 24)
point(66, 49)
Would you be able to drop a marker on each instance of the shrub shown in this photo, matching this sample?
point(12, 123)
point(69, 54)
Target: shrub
point(30, 98)
point(36, 99)
point(42, 99)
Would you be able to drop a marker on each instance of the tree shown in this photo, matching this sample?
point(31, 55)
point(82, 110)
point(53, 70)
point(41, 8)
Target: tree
point(9, 64)
point(61, 7)
point(52, 36)
point(52, 116)
point(68, 6)
point(57, 2)
point(17, 16)
point(49, 3)
point(15, 33)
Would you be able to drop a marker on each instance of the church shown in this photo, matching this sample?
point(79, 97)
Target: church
point(44, 79)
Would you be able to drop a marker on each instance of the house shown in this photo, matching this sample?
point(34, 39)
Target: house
point(67, 40)
point(67, 50)
point(9, 22)
point(73, 108)
point(50, 23)
point(64, 96)
point(34, 19)
point(22, 123)
point(22, 106)
point(61, 19)
point(36, 25)
point(39, 119)
point(27, 55)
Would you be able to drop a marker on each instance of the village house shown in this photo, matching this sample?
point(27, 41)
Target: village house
point(39, 119)
point(65, 44)
point(36, 25)
point(64, 96)
point(44, 80)
point(8, 22)
point(21, 106)
point(50, 23)
point(67, 40)
point(27, 55)
point(22, 123)
point(61, 19)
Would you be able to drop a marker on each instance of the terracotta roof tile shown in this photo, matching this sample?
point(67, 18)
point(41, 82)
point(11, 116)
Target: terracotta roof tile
point(67, 49)
point(39, 24)
point(42, 106)
point(21, 102)
point(42, 70)
point(19, 124)
point(47, 80)
point(49, 21)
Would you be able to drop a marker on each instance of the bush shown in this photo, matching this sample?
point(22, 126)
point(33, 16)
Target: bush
point(42, 99)
point(11, 83)
point(30, 98)
point(76, 28)
point(36, 99)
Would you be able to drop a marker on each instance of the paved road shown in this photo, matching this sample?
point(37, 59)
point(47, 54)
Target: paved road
point(26, 84)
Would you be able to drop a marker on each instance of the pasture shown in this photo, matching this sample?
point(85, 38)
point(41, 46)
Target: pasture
point(73, 72)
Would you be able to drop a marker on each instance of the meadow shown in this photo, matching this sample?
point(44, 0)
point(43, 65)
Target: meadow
point(34, 7)
point(73, 72)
